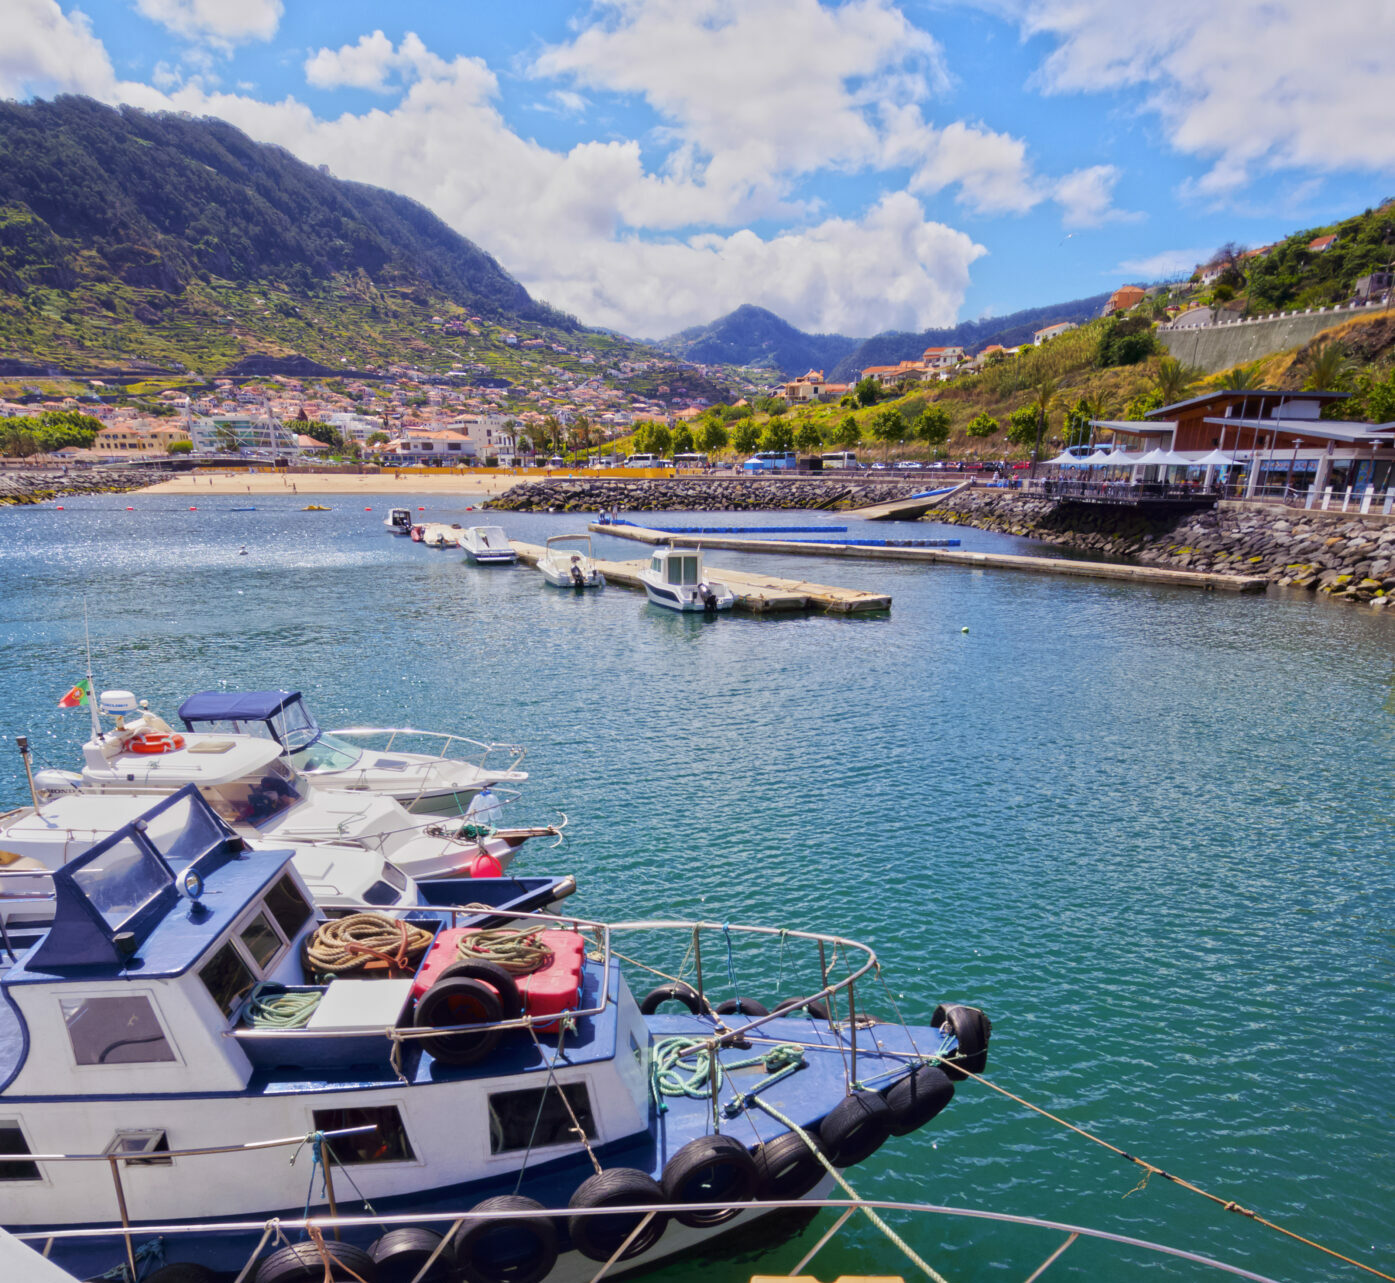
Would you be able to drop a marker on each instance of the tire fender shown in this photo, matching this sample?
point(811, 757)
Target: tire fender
point(517, 1250)
point(672, 992)
point(600, 1237)
point(718, 1169)
point(855, 1128)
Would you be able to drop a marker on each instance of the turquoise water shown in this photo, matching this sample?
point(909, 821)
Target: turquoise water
point(1147, 830)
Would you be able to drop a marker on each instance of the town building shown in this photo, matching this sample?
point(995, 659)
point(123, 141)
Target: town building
point(1050, 332)
point(1124, 298)
point(1321, 244)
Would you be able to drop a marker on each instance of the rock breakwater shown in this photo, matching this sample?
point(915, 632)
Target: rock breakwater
point(1352, 558)
point(28, 486)
point(696, 494)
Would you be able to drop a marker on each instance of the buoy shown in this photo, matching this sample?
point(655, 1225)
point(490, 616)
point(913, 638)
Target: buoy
point(129, 508)
point(964, 630)
point(421, 509)
point(485, 865)
point(192, 508)
point(60, 507)
point(368, 510)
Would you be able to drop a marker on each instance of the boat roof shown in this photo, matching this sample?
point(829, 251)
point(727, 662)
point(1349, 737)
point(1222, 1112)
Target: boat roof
point(208, 706)
point(204, 759)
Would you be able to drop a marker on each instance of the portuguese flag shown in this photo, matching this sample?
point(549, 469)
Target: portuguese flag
point(79, 697)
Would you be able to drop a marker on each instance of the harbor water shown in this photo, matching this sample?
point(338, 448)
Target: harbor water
point(1147, 829)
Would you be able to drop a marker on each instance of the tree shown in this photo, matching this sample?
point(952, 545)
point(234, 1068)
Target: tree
point(866, 391)
point(888, 427)
point(1328, 366)
point(745, 436)
point(982, 425)
point(1140, 407)
point(378, 438)
point(1174, 380)
point(552, 431)
point(322, 432)
point(848, 434)
point(1125, 342)
point(683, 440)
point(933, 425)
point(1243, 378)
point(1022, 425)
point(1042, 396)
point(179, 447)
point(713, 436)
point(660, 439)
point(777, 436)
point(808, 436)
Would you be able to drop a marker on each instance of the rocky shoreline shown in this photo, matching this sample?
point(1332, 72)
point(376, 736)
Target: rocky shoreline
point(698, 494)
point(1351, 558)
point(37, 487)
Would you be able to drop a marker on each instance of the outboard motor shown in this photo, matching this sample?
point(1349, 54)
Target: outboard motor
point(709, 598)
point(52, 782)
point(578, 579)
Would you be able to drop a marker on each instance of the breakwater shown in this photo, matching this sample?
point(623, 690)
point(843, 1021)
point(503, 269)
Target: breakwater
point(1348, 557)
point(37, 486)
point(698, 494)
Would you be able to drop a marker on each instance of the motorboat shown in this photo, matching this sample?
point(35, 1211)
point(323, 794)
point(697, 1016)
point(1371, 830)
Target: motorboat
point(368, 759)
point(248, 782)
point(487, 545)
point(439, 535)
point(567, 562)
point(398, 521)
point(191, 1018)
point(674, 578)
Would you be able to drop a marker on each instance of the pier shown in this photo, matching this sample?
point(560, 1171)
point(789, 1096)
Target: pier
point(758, 594)
point(953, 557)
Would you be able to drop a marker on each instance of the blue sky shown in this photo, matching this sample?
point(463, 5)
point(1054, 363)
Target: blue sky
point(855, 166)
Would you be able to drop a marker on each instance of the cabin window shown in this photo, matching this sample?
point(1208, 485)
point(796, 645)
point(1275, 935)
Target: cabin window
point(288, 906)
point(261, 941)
point(539, 1117)
point(389, 1144)
point(115, 1031)
point(148, 1142)
point(12, 1142)
point(227, 978)
point(381, 893)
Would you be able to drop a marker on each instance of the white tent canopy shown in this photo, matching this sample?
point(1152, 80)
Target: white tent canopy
point(1217, 459)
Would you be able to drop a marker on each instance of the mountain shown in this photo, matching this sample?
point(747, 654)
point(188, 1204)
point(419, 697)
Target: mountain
point(752, 336)
point(128, 234)
point(1011, 330)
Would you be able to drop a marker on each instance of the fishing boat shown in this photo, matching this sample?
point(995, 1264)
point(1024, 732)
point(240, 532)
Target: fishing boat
point(398, 521)
point(487, 545)
point(367, 759)
point(247, 781)
point(189, 1000)
point(674, 579)
point(567, 562)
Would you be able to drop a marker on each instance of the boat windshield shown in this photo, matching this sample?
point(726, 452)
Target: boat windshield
point(255, 799)
point(295, 728)
point(326, 754)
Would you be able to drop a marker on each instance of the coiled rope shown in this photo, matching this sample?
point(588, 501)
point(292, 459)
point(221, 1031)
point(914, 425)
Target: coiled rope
point(270, 1007)
point(669, 1075)
point(518, 952)
point(347, 944)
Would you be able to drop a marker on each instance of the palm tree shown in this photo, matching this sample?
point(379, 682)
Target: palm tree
point(1042, 396)
point(1174, 380)
point(1243, 378)
point(1328, 367)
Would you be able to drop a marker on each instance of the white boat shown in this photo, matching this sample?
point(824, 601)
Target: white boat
point(486, 545)
point(439, 535)
point(443, 782)
point(567, 562)
point(674, 579)
point(398, 521)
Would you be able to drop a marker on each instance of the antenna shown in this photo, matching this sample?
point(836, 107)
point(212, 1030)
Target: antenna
point(91, 685)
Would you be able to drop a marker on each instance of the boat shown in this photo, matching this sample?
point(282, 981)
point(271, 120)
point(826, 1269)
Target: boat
point(567, 562)
point(674, 579)
point(190, 1015)
point(366, 759)
point(398, 521)
point(487, 545)
point(439, 535)
point(250, 784)
point(316, 507)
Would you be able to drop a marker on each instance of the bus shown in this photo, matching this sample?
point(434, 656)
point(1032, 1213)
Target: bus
point(771, 461)
point(841, 459)
point(642, 461)
point(690, 461)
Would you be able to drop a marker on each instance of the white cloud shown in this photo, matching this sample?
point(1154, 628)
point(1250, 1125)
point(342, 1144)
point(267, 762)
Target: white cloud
point(1250, 85)
point(373, 63)
point(992, 169)
point(218, 21)
point(1086, 197)
point(1168, 262)
point(46, 51)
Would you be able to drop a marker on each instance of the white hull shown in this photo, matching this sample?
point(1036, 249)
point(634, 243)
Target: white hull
point(677, 597)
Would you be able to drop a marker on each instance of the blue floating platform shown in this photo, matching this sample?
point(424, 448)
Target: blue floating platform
point(734, 530)
point(886, 543)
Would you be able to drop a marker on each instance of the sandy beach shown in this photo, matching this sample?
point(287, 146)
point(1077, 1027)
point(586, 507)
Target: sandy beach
point(337, 483)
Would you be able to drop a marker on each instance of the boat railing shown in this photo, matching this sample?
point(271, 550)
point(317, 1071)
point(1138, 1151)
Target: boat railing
point(451, 1223)
point(446, 739)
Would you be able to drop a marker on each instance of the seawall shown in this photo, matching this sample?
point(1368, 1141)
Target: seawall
point(19, 487)
point(699, 494)
point(1348, 557)
point(1218, 347)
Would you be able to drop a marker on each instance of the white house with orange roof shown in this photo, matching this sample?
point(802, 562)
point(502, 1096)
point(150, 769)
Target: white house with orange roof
point(1049, 332)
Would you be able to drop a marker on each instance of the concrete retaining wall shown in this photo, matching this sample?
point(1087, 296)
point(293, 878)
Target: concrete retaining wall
point(1218, 347)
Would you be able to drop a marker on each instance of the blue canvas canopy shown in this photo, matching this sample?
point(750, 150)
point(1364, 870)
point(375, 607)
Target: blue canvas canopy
point(217, 706)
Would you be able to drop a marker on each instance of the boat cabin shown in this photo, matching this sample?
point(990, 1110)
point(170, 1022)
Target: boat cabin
point(278, 715)
point(681, 568)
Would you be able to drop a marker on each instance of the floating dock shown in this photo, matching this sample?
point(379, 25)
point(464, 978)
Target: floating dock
point(951, 557)
point(759, 594)
point(733, 530)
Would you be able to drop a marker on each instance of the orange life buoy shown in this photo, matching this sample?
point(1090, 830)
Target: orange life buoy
point(155, 742)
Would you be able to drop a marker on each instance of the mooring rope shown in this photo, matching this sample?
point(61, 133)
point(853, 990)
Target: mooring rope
point(271, 1007)
point(347, 944)
point(518, 952)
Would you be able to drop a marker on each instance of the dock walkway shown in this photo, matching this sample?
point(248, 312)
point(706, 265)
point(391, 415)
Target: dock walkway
point(998, 560)
point(759, 594)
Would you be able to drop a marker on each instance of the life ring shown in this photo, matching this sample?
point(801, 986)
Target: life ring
point(711, 1169)
point(156, 742)
point(517, 1250)
point(788, 1167)
point(303, 1263)
point(855, 1128)
point(401, 1254)
point(674, 992)
point(503, 984)
point(742, 1007)
point(459, 1001)
point(600, 1237)
point(917, 1098)
point(972, 1030)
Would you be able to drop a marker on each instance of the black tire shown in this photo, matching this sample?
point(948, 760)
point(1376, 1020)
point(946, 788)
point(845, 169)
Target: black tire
point(788, 1167)
point(711, 1169)
point(399, 1255)
point(855, 1128)
point(302, 1263)
point(599, 1237)
point(917, 1098)
point(183, 1272)
point(817, 1010)
point(510, 999)
point(678, 992)
point(973, 1030)
point(458, 1002)
point(517, 1250)
point(742, 1007)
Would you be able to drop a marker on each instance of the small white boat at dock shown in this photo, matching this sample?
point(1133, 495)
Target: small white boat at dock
point(674, 579)
point(487, 545)
point(569, 563)
point(398, 521)
point(436, 534)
